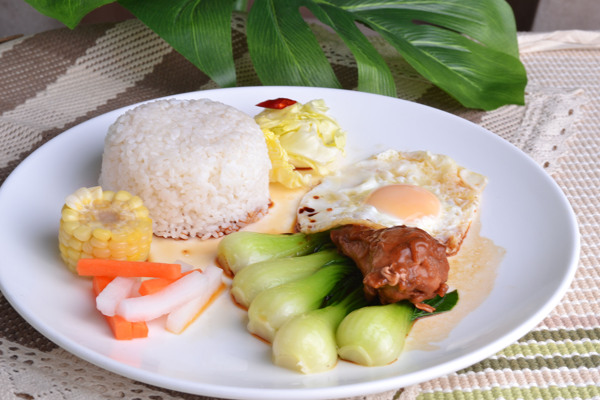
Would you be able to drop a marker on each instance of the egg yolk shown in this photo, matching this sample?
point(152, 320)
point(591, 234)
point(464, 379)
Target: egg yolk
point(407, 202)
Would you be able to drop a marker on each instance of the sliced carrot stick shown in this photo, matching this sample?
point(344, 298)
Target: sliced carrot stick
point(100, 283)
point(120, 327)
point(105, 267)
point(150, 286)
point(139, 330)
point(153, 285)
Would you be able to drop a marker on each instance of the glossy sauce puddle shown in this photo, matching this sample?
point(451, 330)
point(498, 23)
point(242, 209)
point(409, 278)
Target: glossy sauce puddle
point(472, 271)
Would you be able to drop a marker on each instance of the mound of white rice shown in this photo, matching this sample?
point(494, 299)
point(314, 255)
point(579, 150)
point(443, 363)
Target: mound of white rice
point(201, 167)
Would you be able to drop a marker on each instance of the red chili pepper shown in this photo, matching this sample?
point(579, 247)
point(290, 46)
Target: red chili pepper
point(277, 104)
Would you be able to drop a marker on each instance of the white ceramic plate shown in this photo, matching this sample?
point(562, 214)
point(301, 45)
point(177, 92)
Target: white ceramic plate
point(523, 211)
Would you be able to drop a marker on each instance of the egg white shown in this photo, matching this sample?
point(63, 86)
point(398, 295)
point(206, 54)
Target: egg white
point(341, 198)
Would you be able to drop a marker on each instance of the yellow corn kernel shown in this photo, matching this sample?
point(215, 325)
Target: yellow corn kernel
point(101, 253)
point(73, 202)
point(104, 224)
point(73, 254)
point(83, 195)
point(68, 214)
point(119, 255)
point(63, 237)
point(133, 257)
point(87, 248)
point(75, 244)
point(83, 233)
point(63, 248)
point(135, 202)
point(116, 247)
point(132, 247)
point(102, 234)
point(95, 193)
point(122, 195)
point(98, 244)
point(142, 212)
point(120, 236)
point(108, 195)
point(69, 226)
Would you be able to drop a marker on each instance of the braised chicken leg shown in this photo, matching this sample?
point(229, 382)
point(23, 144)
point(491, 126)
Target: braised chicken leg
point(398, 263)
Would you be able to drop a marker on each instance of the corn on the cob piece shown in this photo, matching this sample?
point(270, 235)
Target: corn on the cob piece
point(98, 223)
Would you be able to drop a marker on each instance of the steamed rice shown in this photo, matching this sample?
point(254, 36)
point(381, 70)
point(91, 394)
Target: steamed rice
point(201, 167)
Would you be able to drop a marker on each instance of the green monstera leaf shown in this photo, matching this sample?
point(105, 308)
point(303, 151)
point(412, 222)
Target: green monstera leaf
point(200, 30)
point(468, 48)
point(69, 13)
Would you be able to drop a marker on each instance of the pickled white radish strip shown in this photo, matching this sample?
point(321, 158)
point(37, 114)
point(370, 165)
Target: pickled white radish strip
point(185, 267)
point(117, 290)
point(149, 307)
point(182, 316)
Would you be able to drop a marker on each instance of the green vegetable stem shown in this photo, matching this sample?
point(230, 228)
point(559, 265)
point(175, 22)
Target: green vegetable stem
point(240, 249)
point(306, 343)
point(255, 278)
point(271, 308)
point(375, 335)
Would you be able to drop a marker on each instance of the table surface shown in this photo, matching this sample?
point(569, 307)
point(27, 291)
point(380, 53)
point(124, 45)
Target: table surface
point(55, 80)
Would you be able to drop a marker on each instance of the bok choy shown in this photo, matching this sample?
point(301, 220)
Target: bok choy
point(272, 307)
point(308, 300)
point(240, 249)
point(255, 278)
point(306, 343)
point(375, 335)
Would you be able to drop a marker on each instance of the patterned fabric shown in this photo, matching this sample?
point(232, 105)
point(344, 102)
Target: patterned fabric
point(52, 81)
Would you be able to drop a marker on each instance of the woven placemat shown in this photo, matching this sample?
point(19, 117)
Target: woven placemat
point(58, 79)
point(559, 359)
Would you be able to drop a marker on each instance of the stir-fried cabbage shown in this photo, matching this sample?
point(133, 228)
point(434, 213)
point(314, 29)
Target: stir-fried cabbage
point(302, 140)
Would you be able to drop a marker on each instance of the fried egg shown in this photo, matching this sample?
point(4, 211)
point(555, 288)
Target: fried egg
point(418, 189)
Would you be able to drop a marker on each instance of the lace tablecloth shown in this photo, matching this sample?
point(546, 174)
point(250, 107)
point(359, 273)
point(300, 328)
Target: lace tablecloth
point(52, 81)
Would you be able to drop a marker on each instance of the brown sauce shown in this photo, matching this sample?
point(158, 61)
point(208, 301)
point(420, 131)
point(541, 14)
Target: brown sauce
point(235, 302)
